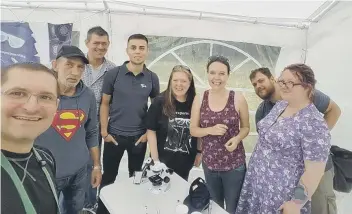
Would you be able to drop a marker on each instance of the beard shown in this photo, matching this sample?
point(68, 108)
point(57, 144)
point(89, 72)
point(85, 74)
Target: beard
point(268, 95)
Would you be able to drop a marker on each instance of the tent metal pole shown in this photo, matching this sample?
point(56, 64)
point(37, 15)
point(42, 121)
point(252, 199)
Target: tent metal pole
point(204, 15)
point(44, 7)
point(55, 1)
point(305, 50)
point(108, 13)
point(322, 10)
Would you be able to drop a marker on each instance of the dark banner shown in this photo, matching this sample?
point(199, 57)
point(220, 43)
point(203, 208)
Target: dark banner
point(58, 35)
point(19, 43)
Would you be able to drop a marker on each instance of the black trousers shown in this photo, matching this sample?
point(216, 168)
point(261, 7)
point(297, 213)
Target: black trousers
point(179, 162)
point(111, 160)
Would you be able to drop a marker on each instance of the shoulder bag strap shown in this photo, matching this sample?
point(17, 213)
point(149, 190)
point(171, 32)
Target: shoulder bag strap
point(48, 177)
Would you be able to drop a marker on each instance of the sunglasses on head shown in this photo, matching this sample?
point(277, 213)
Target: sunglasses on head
point(182, 67)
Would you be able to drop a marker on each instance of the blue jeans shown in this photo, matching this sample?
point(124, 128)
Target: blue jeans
point(225, 186)
point(91, 193)
point(72, 189)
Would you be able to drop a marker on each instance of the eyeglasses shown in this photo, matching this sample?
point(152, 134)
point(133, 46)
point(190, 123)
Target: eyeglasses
point(14, 41)
point(22, 97)
point(288, 84)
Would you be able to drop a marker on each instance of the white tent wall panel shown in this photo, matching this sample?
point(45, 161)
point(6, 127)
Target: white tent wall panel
point(257, 8)
point(291, 40)
point(330, 55)
point(289, 55)
point(82, 20)
point(39, 15)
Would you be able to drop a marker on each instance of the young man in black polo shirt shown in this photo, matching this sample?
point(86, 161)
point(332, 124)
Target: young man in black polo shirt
point(29, 99)
point(126, 90)
point(323, 200)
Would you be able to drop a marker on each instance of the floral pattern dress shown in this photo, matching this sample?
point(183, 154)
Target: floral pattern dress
point(215, 155)
point(277, 162)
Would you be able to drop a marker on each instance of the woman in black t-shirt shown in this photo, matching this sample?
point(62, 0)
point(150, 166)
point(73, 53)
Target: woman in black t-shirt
point(168, 122)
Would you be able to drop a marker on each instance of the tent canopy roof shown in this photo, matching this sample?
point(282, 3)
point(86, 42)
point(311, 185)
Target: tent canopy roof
point(285, 13)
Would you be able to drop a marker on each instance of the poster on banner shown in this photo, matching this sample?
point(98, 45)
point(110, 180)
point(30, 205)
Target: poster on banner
point(165, 52)
point(32, 42)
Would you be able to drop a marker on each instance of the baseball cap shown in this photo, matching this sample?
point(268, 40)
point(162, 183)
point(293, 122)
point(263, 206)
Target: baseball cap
point(68, 51)
point(199, 196)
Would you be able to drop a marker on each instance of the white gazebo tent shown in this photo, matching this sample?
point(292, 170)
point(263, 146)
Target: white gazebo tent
point(314, 32)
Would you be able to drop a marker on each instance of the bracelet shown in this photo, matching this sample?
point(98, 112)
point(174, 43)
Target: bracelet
point(199, 151)
point(96, 167)
point(106, 136)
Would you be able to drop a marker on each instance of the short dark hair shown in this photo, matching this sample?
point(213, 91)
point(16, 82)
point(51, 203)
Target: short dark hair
point(304, 73)
point(138, 36)
point(221, 59)
point(263, 70)
point(98, 31)
point(29, 66)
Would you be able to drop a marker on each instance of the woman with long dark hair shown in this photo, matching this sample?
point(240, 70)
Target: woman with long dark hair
point(168, 122)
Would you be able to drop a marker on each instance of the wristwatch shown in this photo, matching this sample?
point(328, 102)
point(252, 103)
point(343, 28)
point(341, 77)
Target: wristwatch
point(199, 151)
point(300, 196)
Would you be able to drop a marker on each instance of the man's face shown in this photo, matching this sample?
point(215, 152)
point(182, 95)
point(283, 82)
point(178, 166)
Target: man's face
point(137, 50)
point(264, 87)
point(97, 46)
point(69, 71)
point(28, 104)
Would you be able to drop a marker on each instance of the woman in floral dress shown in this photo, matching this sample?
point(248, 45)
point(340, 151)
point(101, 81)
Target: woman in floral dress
point(290, 156)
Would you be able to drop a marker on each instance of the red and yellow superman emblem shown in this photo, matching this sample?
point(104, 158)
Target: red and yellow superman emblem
point(67, 122)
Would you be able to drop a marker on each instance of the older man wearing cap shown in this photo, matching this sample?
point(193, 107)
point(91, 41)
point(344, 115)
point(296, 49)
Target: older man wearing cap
point(74, 131)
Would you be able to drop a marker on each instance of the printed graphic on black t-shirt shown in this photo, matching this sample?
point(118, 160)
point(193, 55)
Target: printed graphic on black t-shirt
point(178, 136)
point(176, 148)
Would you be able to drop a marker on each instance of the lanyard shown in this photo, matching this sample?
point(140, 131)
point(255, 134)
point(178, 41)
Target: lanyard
point(28, 206)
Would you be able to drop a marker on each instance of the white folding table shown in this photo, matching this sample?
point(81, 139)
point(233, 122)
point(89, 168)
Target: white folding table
point(124, 197)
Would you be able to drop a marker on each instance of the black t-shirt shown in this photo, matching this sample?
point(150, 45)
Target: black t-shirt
point(35, 183)
point(176, 147)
